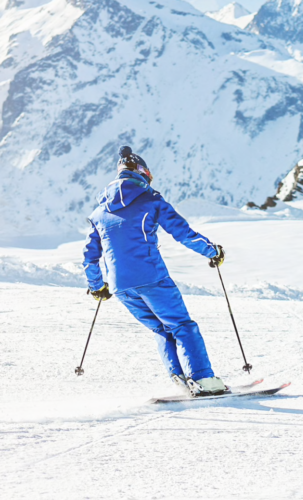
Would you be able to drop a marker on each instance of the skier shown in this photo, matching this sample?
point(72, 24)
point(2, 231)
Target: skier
point(124, 230)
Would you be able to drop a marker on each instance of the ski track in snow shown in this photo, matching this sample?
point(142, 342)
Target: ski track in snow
point(93, 437)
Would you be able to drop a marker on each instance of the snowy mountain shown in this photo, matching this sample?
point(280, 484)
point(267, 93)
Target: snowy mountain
point(233, 13)
point(214, 111)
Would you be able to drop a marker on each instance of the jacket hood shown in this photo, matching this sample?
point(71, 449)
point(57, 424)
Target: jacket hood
point(122, 191)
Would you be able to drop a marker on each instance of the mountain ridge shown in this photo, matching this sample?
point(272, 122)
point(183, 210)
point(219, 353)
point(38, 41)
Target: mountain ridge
point(233, 13)
point(107, 80)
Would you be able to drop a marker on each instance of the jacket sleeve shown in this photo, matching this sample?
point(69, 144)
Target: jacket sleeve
point(174, 224)
point(92, 253)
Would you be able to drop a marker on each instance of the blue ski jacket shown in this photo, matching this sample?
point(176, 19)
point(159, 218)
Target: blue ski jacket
point(124, 231)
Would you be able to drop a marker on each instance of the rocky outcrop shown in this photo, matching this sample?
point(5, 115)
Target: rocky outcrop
point(280, 19)
point(289, 189)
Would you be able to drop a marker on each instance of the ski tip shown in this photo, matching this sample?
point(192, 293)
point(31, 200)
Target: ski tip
point(151, 401)
point(256, 382)
point(283, 386)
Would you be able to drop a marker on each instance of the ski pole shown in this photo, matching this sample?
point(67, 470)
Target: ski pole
point(247, 367)
point(79, 370)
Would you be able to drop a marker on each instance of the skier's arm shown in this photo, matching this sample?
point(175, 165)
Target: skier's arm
point(178, 227)
point(92, 253)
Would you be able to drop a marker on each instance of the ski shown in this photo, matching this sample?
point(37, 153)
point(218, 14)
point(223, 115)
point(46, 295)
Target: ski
point(227, 394)
point(247, 386)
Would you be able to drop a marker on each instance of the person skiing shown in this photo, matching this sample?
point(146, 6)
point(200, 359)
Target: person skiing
point(124, 231)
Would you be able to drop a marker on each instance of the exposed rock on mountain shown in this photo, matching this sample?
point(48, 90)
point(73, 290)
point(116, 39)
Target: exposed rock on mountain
point(289, 189)
point(281, 19)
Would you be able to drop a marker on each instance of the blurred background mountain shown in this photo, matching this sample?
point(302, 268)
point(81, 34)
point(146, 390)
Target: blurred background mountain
point(212, 103)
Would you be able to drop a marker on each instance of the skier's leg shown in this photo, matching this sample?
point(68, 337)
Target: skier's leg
point(165, 340)
point(168, 351)
point(165, 301)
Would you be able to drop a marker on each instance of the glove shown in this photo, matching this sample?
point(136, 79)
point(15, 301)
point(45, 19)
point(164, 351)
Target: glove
point(219, 258)
point(102, 294)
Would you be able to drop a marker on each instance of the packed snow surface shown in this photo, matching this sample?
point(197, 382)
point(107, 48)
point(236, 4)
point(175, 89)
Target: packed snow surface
point(95, 437)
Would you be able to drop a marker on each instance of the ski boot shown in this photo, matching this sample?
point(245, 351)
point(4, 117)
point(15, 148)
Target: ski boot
point(206, 387)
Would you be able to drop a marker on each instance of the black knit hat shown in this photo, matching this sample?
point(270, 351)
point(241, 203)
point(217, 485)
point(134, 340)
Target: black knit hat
point(130, 161)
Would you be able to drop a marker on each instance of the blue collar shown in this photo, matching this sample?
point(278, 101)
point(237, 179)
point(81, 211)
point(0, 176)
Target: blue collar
point(130, 174)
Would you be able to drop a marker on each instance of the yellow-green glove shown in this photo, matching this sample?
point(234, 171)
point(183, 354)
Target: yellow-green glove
point(102, 294)
point(219, 258)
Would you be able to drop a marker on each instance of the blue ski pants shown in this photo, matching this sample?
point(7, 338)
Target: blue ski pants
point(161, 308)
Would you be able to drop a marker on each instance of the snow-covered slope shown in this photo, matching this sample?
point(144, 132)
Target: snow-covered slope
point(204, 5)
point(186, 92)
point(233, 13)
point(94, 437)
point(240, 232)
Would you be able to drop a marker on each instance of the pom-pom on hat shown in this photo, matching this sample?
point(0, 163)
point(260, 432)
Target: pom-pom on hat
point(130, 161)
point(125, 151)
